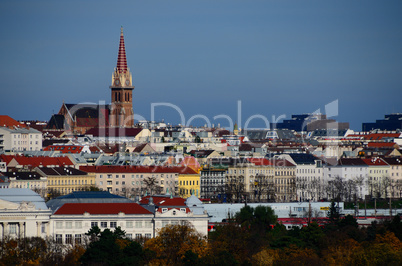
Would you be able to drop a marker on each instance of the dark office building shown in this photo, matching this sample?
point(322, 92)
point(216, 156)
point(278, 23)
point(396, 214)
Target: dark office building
point(309, 122)
point(391, 122)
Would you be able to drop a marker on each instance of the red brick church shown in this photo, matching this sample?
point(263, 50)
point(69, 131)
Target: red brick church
point(79, 118)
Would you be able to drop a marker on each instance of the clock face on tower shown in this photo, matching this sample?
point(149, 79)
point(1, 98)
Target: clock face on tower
point(127, 82)
point(117, 82)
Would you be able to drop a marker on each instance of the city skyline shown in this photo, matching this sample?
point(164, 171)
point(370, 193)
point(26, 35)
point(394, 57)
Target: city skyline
point(276, 58)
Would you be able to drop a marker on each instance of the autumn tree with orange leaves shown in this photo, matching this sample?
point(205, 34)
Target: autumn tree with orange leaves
point(173, 241)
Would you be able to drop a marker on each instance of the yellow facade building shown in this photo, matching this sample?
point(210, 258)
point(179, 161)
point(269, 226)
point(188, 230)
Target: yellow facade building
point(65, 180)
point(189, 183)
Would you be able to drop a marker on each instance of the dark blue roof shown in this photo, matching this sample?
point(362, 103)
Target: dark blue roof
point(303, 158)
point(85, 197)
point(89, 195)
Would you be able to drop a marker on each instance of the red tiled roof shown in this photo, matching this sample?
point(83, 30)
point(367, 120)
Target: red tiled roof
point(101, 208)
point(375, 162)
point(64, 148)
point(381, 144)
point(95, 149)
point(259, 161)
point(121, 59)
point(37, 160)
point(375, 136)
point(137, 169)
point(166, 202)
point(6, 121)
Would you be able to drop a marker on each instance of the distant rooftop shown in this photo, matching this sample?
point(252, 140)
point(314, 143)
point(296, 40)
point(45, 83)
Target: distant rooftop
point(86, 197)
point(18, 195)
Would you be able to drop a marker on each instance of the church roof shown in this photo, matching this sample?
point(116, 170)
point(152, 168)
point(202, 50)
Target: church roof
point(121, 59)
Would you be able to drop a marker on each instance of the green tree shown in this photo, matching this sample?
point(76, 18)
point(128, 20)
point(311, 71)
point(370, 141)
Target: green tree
point(111, 248)
point(312, 236)
point(261, 217)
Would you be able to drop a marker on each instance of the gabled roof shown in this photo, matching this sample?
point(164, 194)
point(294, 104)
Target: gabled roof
point(56, 122)
point(192, 163)
point(303, 158)
point(101, 208)
point(6, 121)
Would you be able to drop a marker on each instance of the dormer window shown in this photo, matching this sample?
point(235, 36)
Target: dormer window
point(164, 209)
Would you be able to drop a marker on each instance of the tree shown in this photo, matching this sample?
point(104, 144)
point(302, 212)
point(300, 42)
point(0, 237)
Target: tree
point(172, 243)
point(261, 216)
point(333, 213)
point(52, 193)
point(111, 248)
point(234, 188)
point(91, 188)
point(151, 185)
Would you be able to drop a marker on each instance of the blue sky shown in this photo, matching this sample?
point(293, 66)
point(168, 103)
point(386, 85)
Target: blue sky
point(276, 57)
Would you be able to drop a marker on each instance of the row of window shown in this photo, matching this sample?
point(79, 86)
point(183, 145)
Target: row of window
point(138, 176)
point(68, 182)
point(24, 136)
point(102, 224)
point(24, 143)
point(251, 171)
point(307, 171)
point(189, 183)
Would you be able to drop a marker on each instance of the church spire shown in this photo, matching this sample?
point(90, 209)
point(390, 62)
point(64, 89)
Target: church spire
point(121, 113)
point(121, 59)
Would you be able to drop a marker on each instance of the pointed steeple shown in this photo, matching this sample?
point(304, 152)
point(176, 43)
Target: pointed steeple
point(121, 59)
point(121, 88)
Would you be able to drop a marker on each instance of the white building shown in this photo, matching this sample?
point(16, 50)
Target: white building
point(309, 175)
point(352, 170)
point(23, 213)
point(20, 139)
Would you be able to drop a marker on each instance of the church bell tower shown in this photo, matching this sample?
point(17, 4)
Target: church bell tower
point(121, 114)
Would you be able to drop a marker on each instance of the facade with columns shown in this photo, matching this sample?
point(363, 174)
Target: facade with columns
point(23, 213)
